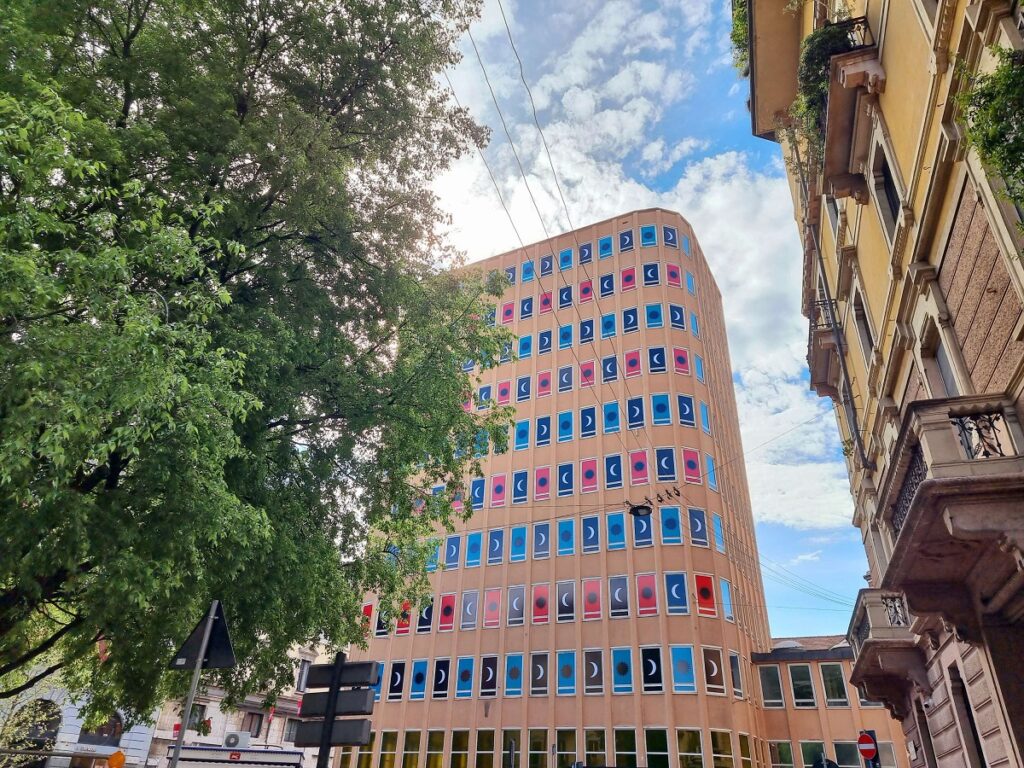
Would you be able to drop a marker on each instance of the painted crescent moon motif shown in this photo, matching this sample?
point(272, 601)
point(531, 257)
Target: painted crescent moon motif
point(490, 674)
point(425, 611)
point(654, 667)
point(670, 235)
point(470, 608)
point(714, 668)
point(588, 420)
point(658, 358)
point(642, 524)
point(634, 410)
point(590, 529)
point(663, 463)
point(675, 591)
point(520, 485)
point(697, 524)
point(593, 669)
point(685, 409)
point(628, 238)
point(443, 676)
point(451, 550)
point(515, 603)
point(565, 600)
point(541, 538)
point(539, 671)
point(396, 679)
point(495, 545)
point(618, 594)
point(564, 479)
point(613, 470)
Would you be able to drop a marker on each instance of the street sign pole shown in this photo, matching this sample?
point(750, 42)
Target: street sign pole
point(190, 699)
point(324, 756)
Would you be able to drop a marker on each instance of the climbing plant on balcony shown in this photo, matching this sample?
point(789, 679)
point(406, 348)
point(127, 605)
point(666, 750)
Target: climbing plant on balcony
point(993, 110)
point(740, 37)
point(816, 52)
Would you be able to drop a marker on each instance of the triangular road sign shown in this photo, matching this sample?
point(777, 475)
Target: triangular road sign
point(219, 653)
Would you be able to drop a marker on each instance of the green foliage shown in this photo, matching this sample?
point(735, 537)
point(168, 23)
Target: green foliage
point(228, 355)
point(739, 35)
point(813, 77)
point(993, 108)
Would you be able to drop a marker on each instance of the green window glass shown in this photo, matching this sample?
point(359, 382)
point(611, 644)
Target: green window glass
point(411, 750)
point(625, 748)
point(538, 748)
point(721, 749)
point(691, 751)
point(435, 749)
point(656, 745)
point(485, 749)
point(565, 748)
point(388, 749)
point(596, 748)
point(459, 757)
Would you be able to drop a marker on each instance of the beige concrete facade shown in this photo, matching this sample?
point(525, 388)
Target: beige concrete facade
point(560, 623)
point(913, 285)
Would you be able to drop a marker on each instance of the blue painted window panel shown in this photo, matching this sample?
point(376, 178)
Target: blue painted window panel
point(609, 369)
point(474, 542)
point(710, 473)
point(565, 426)
point(565, 379)
point(671, 526)
point(565, 336)
point(565, 297)
point(543, 432)
point(496, 546)
point(635, 413)
point(586, 331)
point(676, 597)
point(652, 273)
point(611, 418)
point(418, 686)
point(607, 285)
point(526, 308)
point(670, 237)
point(380, 679)
point(665, 464)
point(677, 317)
point(727, 611)
point(719, 531)
point(510, 273)
point(547, 265)
point(657, 360)
point(684, 679)
point(586, 253)
point(541, 540)
point(604, 247)
point(691, 283)
point(591, 534)
point(477, 488)
point(616, 530)
point(588, 421)
point(705, 417)
point(566, 536)
point(522, 388)
point(434, 560)
point(525, 346)
point(452, 550)
point(506, 352)
point(687, 417)
point(464, 678)
point(522, 435)
point(643, 533)
point(626, 241)
point(565, 259)
point(622, 670)
point(483, 397)
point(520, 486)
point(566, 673)
point(661, 410)
point(653, 316)
point(686, 245)
point(648, 236)
point(517, 544)
point(698, 527)
point(630, 320)
point(527, 271)
point(514, 675)
point(694, 326)
point(608, 326)
point(566, 479)
point(698, 368)
point(543, 342)
point(613, 471)
point(469, 365)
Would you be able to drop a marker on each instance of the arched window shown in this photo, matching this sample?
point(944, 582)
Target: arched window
point(38, 722)
point(107, 735)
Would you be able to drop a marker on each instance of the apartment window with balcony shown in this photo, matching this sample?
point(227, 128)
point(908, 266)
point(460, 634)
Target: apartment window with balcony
point(835, 686)
point(803, 686)
point(781, 754)
point(771, 687)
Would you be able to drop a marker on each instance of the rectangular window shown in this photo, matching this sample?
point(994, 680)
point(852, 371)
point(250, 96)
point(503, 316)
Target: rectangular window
point(517, 544)
point(834, 685)
point(470, 602)
point(593, 672)
point(622, 670)
point(464, 677)
point(511, 742)
point(630, 320)
point(565, 426)
point(565, 592)
point(542, 432)
point(698, 527)
point(690, 748)
point(388, 749)
point(495, 546)
point(625, 748)
point(607, 285)
point(714, 674)
point(847, 755)
point(565, 336)
point(608, 326)
point(803, 686)
point(484, 749)
point(719, 531)
point(691, 284)
point(726, 589)
point(676, 593)
point(710, 473)
point(771, 687)
point(411, 749)
point(586, 331)
point(671, 526)
point(781, 754)
point(565, 378)
point(694, 325)
point(547, 265)
point(539, 674)
point(489, 675)
point(656, 360)
point(811, 751)
point(736, 674)
point(567, 536)
point(396, 681)
point(721, 749)
point(591, 531)
point(595, 746)
point(705, 417)
point(565, 297)
point(656, 746)
point(565, 259)
point(661, 411)
point(365, 758)
point(746, 759)
point(291, 727)
point(565, 748)
point(651, 673)
point(253, 723)
point(459, 757)
point(543, 342)
point(538, 748)
point(526, 308)
point(513, 675)
point(653, 317)
point(684, 679)
point(698, 368)
point(618, 596)
point(302, 675)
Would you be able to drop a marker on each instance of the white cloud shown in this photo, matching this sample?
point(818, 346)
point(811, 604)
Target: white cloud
point(806, 557)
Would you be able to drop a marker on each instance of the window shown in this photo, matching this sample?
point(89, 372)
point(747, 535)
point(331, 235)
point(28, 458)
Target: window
point(746, 761)
point(887, 195)
point(945, 366)
point(714, 675)
point(365, 758)
point(253, 723)
point(803, 686)
point(834, 684)
point(411, 749)
point(484, 750)
point(435, 749)
point(847, 755)
point(291, 727)
point(705, 417)
point(719, 530)
point(538, 748)
point(737, 676)
point(460, 750)
point(656, 746)
point(625, 748)
point(860, 318)
point(721, 749)
point(388, 749)
point(781, 754)
point(886, 754)
point(595, 747)
point(691, 751)
point(964, 715)
point(698, 368)
point(511, 742)
point(811, 751)
point(302, 674)
point(771, 687)
point(196, 716)
point(565, 748)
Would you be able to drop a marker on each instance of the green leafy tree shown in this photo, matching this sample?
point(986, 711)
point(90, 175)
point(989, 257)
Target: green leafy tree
point(228, 356)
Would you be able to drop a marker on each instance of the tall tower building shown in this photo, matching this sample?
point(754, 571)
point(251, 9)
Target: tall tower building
point(564, 627)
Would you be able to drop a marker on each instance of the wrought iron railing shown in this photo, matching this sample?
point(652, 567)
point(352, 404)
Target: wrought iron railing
point(863, 632)
point(979, 434)
point(858, 31)
point(917, 470)
point(896, 611)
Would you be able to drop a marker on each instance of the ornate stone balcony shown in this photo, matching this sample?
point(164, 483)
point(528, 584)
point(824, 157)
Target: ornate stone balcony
point(888, 663)
point(822, 348)
point(951, 506)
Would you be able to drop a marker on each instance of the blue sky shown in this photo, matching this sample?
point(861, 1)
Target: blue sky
point(641, 107)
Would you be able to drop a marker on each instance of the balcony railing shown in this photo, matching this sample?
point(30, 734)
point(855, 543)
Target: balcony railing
point(979, 434)
point(916, 473)
point(880, 616)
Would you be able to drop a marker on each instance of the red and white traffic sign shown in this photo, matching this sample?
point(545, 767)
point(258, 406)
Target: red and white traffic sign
point(866, 746)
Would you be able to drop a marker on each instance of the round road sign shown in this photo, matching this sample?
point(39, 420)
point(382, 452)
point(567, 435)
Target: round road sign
point(866, 746)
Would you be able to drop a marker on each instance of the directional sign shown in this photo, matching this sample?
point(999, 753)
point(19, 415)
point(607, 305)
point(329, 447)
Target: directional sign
point(344, 733)
point(219, 653)
point(354, 673)
point(866, 746)
point(355, 702)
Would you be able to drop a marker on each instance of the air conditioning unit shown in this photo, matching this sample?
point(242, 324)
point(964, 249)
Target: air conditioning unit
point(237, 739)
